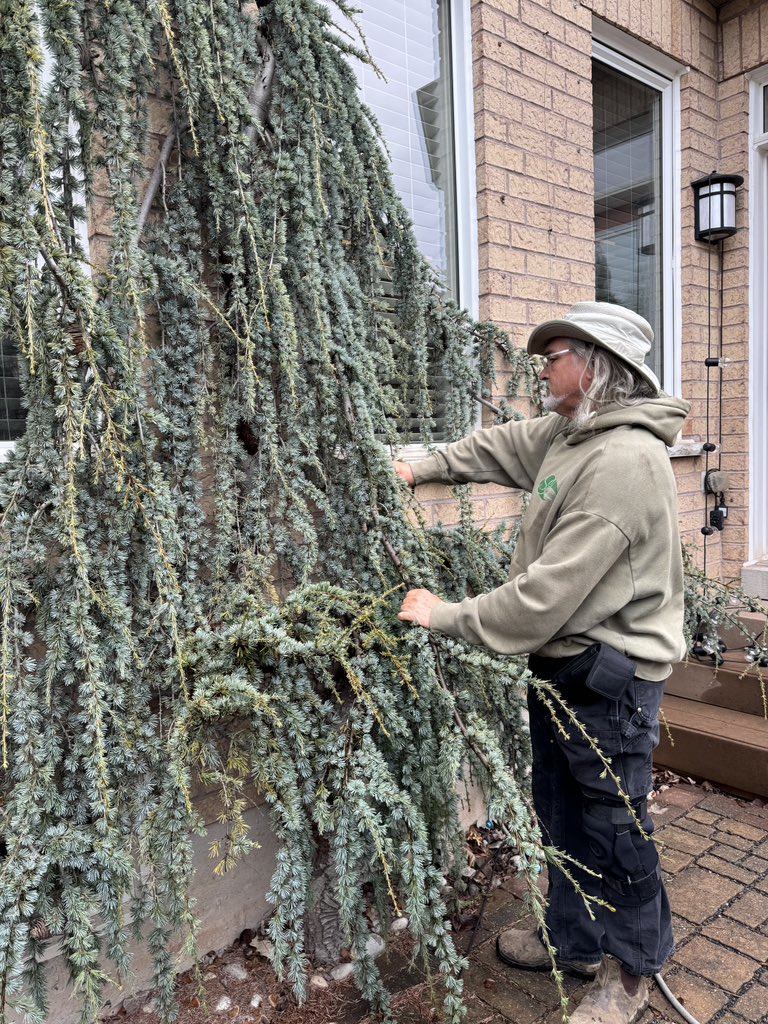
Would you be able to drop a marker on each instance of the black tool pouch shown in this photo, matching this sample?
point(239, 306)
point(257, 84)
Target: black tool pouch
point(601, 668)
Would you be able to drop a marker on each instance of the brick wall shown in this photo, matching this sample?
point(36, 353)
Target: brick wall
point(533, 124)
point(532, 94)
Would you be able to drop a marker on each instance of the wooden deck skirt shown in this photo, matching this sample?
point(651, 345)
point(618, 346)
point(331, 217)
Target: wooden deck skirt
point(718, 726)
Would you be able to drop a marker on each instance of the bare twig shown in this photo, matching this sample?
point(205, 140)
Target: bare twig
point(174, 133)
point(54, 268)
point(260, 94)
point(488, 405)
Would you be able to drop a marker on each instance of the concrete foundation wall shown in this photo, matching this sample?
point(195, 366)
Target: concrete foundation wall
point(224, 904)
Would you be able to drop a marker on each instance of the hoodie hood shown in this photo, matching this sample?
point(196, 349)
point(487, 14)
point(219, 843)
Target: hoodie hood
point(663, 416)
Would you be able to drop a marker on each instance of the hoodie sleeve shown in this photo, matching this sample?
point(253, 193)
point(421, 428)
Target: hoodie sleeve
point(509, 454)
point(524, 614)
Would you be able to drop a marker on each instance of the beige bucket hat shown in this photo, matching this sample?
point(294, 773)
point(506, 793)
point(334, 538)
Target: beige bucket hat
point(620, 331)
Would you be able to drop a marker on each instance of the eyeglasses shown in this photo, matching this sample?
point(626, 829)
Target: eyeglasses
point(546, 361)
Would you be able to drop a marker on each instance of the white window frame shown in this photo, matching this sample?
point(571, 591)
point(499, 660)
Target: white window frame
point(81, 226)
point(464, 132)
point(621, 52)
point(466, 177)
point(758, 312)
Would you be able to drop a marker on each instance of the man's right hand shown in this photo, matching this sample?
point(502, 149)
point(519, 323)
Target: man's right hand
point(404, 471)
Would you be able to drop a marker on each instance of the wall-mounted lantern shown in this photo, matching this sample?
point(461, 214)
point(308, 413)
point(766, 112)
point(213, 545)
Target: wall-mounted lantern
point(715, 206)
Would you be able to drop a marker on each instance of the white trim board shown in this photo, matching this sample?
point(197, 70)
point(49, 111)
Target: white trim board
point(758, 319)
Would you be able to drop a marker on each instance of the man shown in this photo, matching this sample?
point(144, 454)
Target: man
point(597, 570)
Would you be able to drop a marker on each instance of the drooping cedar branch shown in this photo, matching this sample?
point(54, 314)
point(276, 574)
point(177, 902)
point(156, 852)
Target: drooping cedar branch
point(203, 542)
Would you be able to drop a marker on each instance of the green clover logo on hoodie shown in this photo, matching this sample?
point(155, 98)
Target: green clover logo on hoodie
point(548, 489)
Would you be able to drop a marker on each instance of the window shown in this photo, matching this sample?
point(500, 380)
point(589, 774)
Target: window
point(424, 109)
point(628, 196)
point(12, 413)
point(636, 222)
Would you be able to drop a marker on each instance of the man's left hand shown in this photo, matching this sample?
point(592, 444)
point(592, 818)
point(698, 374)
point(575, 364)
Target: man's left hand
point(417, 607)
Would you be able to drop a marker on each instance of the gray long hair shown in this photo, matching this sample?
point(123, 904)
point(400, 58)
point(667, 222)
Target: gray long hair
point(613, 382)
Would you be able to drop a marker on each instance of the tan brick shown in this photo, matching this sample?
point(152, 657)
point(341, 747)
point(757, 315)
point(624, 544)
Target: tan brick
point(530, 40)
point(531, 239)
point(486, 18)
point(575, 108)
point(731, 48)
point(540, 69)
point(698, 122)
point(580, 179)
point(579, 14)
point(574, 248)
point(582, 274)
point(571, 201)
point(504, 258)
point(730, 86)
point(534, 190)
point(508, 53)
point(534, 287)
point(547, 218)
point(499, 206)
point(492, 230)
point(498, 101)
point(506, 310)
point(493, 178)
point(528, 139)
point(576, 60)
point(531, 91)
point(750, 40)
point(541, 18)
point(503, 508)
point(491, 126)
point(500, 154)
point(570, 293)
point(489, 72)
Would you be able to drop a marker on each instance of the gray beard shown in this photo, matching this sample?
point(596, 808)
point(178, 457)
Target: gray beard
point(549, 403)
point(580, 417)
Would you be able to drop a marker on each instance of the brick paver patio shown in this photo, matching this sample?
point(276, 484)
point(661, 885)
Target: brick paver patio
point(714, 851)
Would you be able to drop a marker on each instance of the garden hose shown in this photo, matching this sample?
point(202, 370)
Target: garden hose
point(673, 1000)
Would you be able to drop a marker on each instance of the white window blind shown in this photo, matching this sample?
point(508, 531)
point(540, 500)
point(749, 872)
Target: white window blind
point(12, 414)
point(410, 43)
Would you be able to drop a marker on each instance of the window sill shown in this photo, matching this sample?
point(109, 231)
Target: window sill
point(416, 452)
point(684, 448)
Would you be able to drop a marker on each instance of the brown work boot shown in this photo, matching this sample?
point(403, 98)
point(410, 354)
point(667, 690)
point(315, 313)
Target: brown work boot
point(608, 1002)
point(525, 950)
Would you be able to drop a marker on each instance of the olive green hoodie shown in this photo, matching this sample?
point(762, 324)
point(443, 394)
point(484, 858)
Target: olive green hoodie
point(598, 556)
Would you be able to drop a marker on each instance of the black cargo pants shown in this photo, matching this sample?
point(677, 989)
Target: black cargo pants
point(583, 815)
